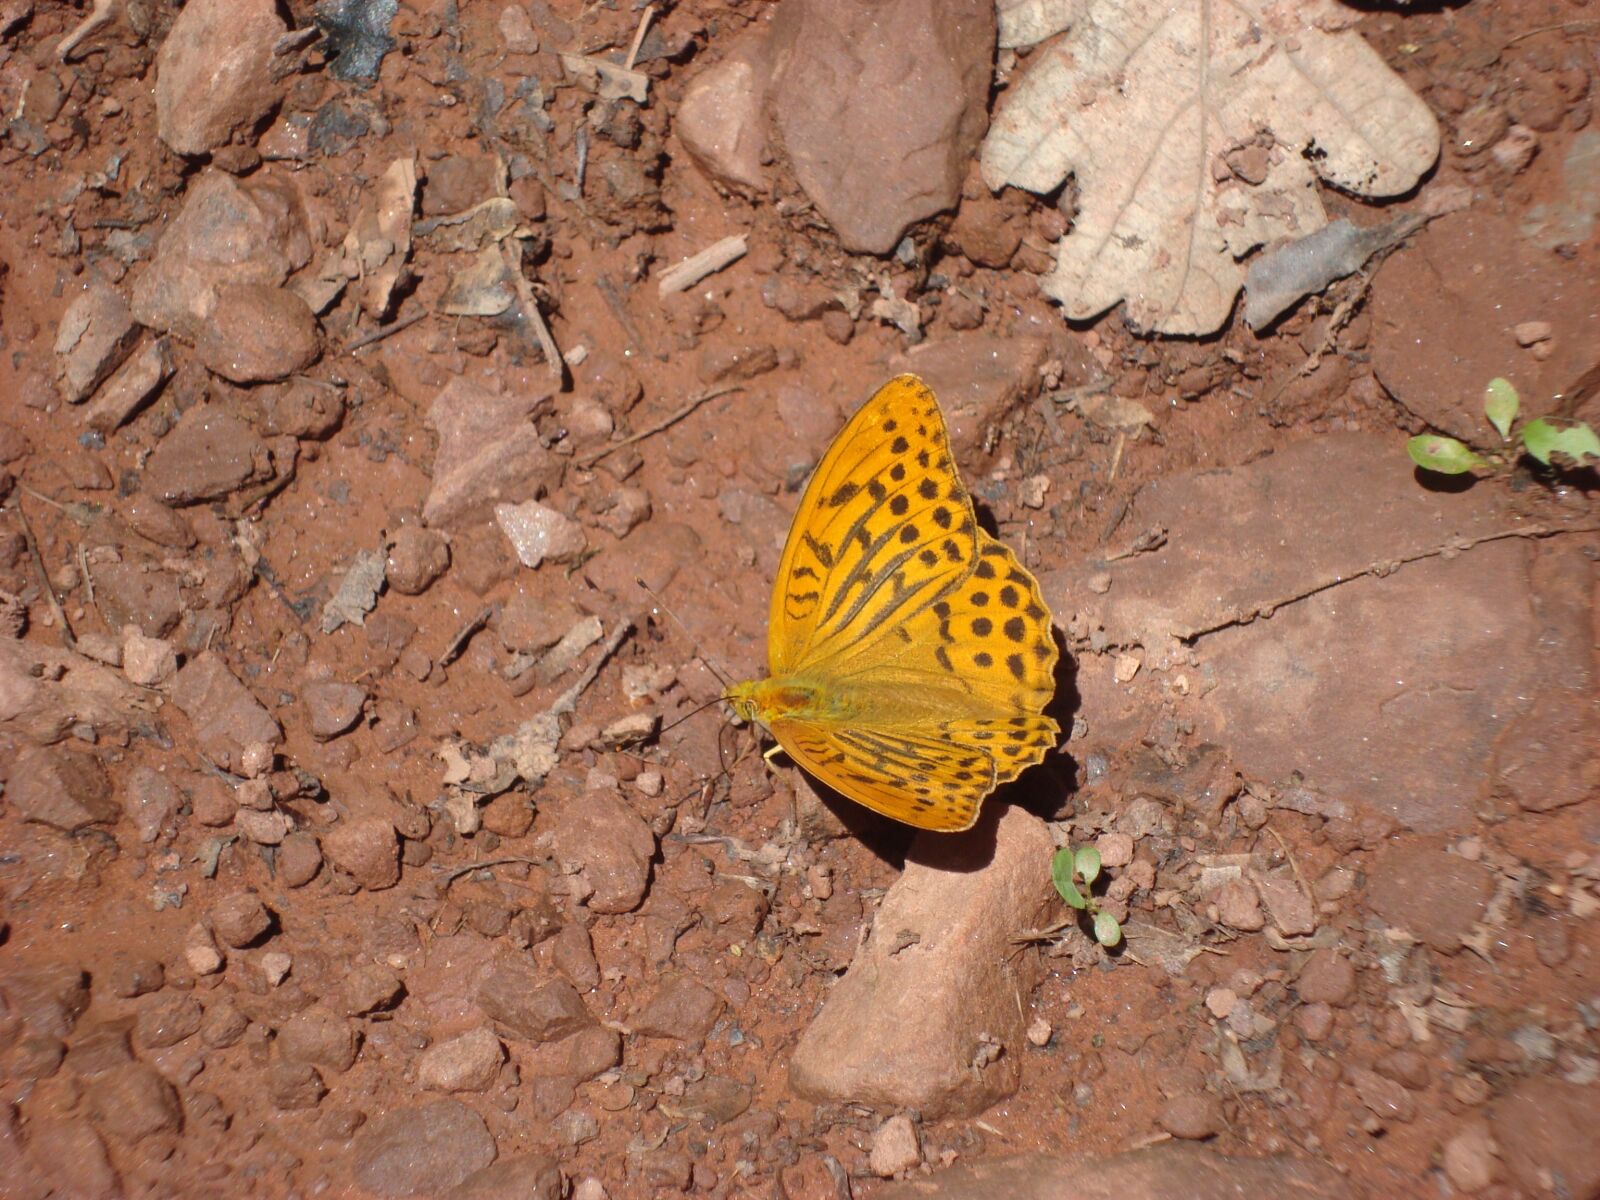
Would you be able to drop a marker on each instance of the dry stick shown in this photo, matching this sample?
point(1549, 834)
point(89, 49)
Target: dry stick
point(1311, 892)
point(1339, 318)
point(567, 701)
point(99, 15)
point(67, 636)
point(682, 276)
point(553, 362)
point(83, 568)
point(383, 331)
point(459, 642)
point(1148, 1140)
point(667, 422)
point(638, 36)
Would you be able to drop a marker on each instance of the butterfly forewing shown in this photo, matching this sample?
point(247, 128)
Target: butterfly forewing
point(884, 530)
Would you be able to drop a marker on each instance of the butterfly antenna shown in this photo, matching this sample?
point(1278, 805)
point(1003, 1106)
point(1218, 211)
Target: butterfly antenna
point(640, 739)
point(694, 712)
point(682, 628)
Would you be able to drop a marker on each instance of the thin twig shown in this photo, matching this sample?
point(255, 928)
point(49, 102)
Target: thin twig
point(567, 701)
point(383, 331)
point(99, 15)
point(682, 276)
point(83, 569)
point(638, 36)
point(553, 362)
point(667, 422)
point(1454, 546)
point(67, 636)
point(459, 642)
point(1311, 892)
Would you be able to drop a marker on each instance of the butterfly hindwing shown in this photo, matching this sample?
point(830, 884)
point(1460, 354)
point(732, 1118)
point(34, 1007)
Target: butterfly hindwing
point(935, 779)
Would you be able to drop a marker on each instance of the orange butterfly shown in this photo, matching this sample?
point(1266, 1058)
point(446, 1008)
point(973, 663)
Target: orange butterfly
point(910, 655)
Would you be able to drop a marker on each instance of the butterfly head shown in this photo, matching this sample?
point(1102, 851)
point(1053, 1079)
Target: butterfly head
point(741, 697)
point(762, 700)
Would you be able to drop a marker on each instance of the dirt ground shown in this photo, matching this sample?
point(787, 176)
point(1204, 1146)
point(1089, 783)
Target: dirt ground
point(322, 871)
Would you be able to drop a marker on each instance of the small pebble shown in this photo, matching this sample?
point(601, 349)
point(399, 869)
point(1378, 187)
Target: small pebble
point(819, 879)
point(331, 707)
point(262, 828)
point(201, 953)
point(895, 1148)
point(417, 558)
point(1328, 976)
point(1516, 150)
point(130, 977)
point(1529, 333)
point(1116, 849)
point(574, 1127)
point(1039, 1032)
point(1252, 810)
point(257, 759)
point(299, 859)
point(1315, 1021)
point(240, 919)
point(254, 793)
point(1238, 906)
point(538, 533)
point(275, 966)
point(1470, 1158)
point(468, 1063)
point(1191, 1117)
point(147, 662)
point(366, 849)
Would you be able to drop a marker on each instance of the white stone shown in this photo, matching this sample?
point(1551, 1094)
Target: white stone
point(148, 662)
point(539, 533)
point(895, 1148)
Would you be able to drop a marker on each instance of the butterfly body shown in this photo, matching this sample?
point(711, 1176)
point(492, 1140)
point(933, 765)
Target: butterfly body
point(910, 654)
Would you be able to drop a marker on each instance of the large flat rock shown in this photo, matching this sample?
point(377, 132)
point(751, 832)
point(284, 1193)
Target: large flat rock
point(1399, 688)
point(1155, 1173)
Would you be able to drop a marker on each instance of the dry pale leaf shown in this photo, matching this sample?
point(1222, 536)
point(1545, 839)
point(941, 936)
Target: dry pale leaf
point(1196, 132)
point(379, 242)
point(1028, 22)
point(357, 594)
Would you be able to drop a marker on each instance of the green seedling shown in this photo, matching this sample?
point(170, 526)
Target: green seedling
point(1540, 439)
point(1074, 873)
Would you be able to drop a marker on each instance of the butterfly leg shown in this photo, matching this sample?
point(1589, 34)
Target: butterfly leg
point(770, 756)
